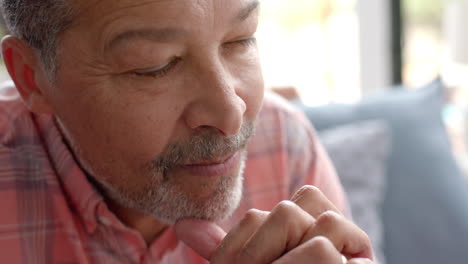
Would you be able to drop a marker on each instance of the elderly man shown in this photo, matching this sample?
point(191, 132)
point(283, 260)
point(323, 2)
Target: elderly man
point(128, 137)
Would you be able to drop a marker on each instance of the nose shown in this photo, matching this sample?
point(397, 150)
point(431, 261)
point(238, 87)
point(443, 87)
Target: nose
point(217, 104)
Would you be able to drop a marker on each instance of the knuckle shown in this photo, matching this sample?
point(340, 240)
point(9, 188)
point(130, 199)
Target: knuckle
point(330, 219)
point(284, 209)
point(320, 246)
point(333, 222)
point(320, 243)
point(252, 216)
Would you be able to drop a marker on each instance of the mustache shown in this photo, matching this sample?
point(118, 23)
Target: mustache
point(207, 144)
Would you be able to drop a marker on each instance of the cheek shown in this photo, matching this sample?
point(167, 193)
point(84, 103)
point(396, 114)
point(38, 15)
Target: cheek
point(110, 130)
point(255, 100)
point(252, 89)
point(135, 130)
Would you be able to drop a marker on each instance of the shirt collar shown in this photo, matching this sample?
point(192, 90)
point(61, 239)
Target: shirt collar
point(82, 195)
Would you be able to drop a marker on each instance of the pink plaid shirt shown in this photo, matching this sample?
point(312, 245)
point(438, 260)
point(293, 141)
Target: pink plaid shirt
point(52, 214)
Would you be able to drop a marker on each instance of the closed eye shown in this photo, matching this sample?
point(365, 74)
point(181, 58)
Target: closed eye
point(157, 72)
point(245, 42)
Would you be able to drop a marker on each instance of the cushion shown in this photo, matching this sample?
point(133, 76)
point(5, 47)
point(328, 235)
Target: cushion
point(361, 166)
point(425, 210)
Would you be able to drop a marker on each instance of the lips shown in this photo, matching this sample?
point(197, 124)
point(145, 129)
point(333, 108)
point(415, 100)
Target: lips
point(213, 168)
point(211, 162)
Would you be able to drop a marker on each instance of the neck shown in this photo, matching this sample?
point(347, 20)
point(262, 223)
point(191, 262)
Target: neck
point(149, 228)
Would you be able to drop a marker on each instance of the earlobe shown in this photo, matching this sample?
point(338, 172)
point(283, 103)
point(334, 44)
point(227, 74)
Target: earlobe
point(22, 65)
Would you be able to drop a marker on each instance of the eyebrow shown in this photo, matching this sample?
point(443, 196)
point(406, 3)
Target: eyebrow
point(247, 11)
point(170, 33)
point(158, 35)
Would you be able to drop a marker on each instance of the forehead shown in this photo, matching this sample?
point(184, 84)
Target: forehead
point(177, 10)
point(103, 20)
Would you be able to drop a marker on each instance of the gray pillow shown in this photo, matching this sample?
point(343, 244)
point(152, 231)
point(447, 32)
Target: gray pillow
point(359, 152)
point(425, 210)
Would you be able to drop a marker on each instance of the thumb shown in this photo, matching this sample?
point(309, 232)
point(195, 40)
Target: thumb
point(200, 235)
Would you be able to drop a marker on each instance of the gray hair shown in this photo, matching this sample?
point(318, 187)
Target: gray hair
point(39, 23)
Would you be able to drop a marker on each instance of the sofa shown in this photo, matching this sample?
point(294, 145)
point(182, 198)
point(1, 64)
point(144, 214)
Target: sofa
point(394, 157)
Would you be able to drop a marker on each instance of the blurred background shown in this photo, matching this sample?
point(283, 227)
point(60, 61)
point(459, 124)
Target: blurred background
point(353, 47)
point(339, 51)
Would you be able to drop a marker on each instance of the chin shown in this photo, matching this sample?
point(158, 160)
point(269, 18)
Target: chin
point(222, 202)
point(168, 202)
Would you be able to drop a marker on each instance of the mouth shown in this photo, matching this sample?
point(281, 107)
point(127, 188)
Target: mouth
point(214, 168)
point(216, 161)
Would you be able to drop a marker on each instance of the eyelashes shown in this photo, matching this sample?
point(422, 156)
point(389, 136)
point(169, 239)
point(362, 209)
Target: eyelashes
point(159, 72)
point(246, 42)
point(241, 44)
point(163, 71)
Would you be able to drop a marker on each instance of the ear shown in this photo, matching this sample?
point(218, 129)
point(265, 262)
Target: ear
point(26, 72)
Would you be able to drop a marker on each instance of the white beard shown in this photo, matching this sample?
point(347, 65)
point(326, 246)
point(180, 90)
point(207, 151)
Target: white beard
point(165, 201)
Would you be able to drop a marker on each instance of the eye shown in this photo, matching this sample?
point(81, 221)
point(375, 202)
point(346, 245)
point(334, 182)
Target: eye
point(157, 72)
point(247, 42)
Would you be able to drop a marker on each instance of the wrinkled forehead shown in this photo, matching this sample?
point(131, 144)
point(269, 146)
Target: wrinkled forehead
point(102, 21)
point(91, 10)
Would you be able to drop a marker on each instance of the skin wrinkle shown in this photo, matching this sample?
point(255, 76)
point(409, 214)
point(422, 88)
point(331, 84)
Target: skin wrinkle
point(153, 142)
point(93, 68)
point(161, 35)
point(168, 34)
point(111, 19)
point(131, 133)
point(93, 6)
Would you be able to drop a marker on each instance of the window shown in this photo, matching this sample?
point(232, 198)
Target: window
point(313, 46)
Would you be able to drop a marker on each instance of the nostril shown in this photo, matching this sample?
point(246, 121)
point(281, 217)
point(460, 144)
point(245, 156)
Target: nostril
point(212, 129)
point(219, 109)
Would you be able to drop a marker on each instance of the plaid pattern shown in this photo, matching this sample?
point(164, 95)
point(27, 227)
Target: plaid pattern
point(52, 214)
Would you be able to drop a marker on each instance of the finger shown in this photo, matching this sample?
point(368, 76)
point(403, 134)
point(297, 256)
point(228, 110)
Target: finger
point(347, 238)
point(318, 250)
point(238, 235)
point(200, 235)
point(313, 201)
point(281, 231)
point(359, 261)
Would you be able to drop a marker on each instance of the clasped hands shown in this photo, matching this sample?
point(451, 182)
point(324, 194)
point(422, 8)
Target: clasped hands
point(307, 229)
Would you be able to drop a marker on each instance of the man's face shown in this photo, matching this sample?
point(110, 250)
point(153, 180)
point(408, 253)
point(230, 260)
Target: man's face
point(157, 100)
